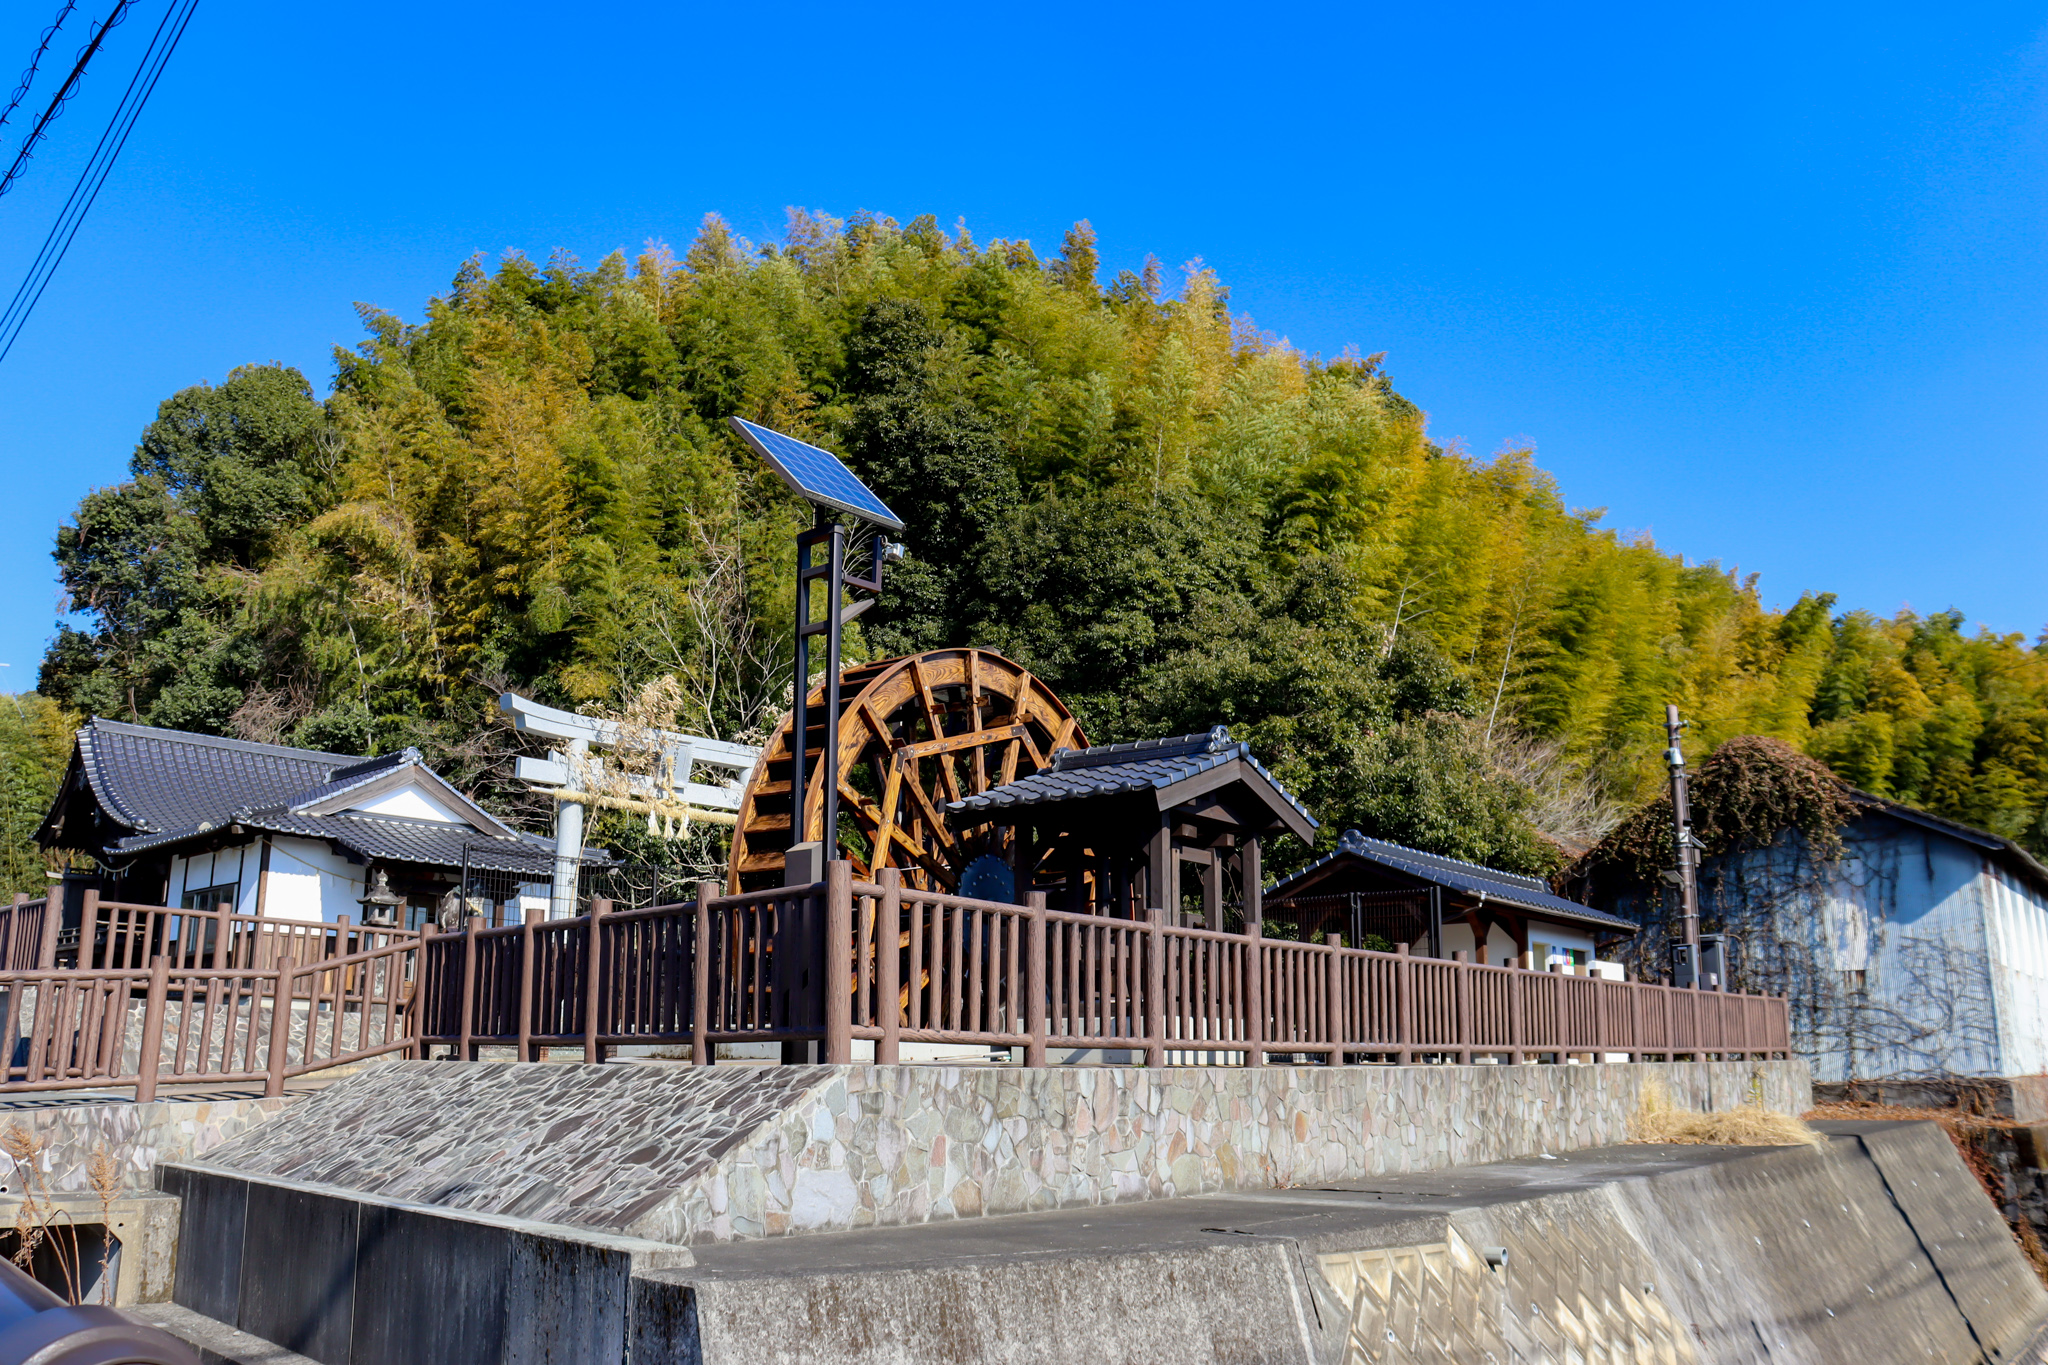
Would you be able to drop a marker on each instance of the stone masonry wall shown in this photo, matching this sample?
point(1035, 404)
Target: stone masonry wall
point(685, 1154)
point(909, 1144)
point(137, 1136)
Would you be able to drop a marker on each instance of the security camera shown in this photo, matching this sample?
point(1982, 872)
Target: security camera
point(893, 550)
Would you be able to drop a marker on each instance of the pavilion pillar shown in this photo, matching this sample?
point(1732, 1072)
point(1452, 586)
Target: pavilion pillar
point(1253, 875)
point(1162, 879)
point(1212, 891)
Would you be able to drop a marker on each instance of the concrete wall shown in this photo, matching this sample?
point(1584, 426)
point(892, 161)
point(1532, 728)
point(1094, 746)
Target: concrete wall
point(351, 1280)
point(720, 1153)
point(1879, 1248)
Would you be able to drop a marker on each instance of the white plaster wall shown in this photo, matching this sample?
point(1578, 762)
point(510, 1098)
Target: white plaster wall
point(1914, 909)
point(307, 880)
point(1500, 945)
point(413, 804)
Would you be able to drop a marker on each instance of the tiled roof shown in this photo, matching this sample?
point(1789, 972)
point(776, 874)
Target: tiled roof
point(1112, 769)
point(171, 786)
point(1513, 888)
point(389, 838)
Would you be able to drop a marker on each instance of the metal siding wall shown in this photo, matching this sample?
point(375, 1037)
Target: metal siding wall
point(2018, 944)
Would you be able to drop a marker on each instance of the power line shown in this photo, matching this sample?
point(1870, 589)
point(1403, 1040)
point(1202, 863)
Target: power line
point(35, 63)
point(161, 46)
point(63, 95)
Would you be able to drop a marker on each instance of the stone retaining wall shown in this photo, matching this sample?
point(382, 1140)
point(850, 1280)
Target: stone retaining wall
point(137, 1136)
point(681, 1155)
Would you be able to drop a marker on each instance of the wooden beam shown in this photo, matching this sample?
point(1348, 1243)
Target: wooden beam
point(931, 717)
point(927, 748)
point(974, 710)
point(930, 812)
point(864, 808)
point(885, 826)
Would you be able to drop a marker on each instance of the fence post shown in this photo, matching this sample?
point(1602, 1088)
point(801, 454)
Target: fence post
point(702, 1051)
point(526, 952)
point(889, 968)
point(1155, 986)
point(838, 982)
point(152, 1029)
point(593, 980)
point(280, 1025)
point(1404, 1013)
point(1254, 992)
point(427, 994)
point(53, 917)
point(466, 1040)
point(1337, 1012)
point(12, 960)
point(1599, 1015)
point(1034, 981)
point(1563, 1015)
point(1515, 1030)
point(1461, 997)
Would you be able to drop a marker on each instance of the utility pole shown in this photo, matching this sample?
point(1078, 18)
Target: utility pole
point(1687, 961)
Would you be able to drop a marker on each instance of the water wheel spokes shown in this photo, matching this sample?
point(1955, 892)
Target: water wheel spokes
point(913, 734)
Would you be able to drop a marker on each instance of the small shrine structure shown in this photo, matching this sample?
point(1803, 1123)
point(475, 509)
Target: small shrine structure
point(1384, 895)
point(1112, 830)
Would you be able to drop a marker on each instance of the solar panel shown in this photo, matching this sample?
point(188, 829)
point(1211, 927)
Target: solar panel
point(814, 474)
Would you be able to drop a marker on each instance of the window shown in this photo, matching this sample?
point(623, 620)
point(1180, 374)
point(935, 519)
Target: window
point(212, 897)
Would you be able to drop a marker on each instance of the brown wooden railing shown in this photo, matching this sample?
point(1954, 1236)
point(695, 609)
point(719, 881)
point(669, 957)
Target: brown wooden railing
point(844, 960)
point(117, 936)
point(67, 1029)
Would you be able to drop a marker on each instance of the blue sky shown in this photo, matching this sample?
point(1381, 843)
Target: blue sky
point(1768, 282)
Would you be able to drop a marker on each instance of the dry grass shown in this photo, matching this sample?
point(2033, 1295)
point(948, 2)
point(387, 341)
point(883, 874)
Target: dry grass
point(1658, 1119)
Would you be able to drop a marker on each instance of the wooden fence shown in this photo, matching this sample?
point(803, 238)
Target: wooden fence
point(67, 1029)
point(116, 936)
point(845, 960)
point(833, 963)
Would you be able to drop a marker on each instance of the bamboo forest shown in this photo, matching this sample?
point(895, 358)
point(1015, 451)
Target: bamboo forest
point(1176, 520)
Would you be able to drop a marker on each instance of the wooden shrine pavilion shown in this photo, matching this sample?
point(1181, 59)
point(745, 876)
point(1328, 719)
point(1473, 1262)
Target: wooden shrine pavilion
point(1383, 895)
point(1114, 829)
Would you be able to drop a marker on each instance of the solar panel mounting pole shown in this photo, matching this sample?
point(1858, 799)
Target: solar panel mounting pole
point(819, 477)
point(832, 536)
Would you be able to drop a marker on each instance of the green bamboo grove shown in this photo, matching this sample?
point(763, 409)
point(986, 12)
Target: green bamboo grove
point(1174, 519)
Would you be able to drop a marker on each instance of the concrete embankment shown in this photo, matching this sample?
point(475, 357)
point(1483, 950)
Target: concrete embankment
point(482, 1212)
point(1879, 1248)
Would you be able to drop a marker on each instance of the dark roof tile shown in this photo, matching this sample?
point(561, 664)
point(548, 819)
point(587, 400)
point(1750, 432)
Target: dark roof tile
point(1113, 769)
point(1515, 888)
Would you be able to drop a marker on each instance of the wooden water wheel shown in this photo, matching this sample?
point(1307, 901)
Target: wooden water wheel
point(913, 734)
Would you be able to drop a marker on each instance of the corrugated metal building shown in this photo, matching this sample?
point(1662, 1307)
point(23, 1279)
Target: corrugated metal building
point(1922, 952)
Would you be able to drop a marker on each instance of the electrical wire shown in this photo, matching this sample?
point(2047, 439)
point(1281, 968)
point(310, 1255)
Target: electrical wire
point(28, 77)
point(87, 190)
point(63, 95)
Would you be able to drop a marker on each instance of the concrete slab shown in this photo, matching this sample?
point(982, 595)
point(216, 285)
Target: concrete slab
point(1684, 1254)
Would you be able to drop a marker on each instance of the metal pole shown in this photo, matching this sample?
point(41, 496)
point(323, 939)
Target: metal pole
point(1682, 836)
point(836, 581)
point(799, 709)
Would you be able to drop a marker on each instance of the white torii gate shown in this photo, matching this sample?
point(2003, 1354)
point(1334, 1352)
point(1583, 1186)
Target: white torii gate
point(670, 793)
